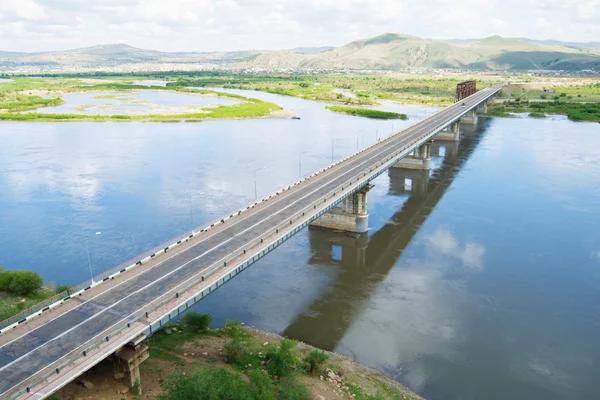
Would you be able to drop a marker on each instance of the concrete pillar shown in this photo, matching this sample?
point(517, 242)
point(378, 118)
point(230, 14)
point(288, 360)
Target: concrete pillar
point(351, 217)
point(420, 159)
point(483, 107)
point(469, 118)
point(451, 133)
point(129, 358)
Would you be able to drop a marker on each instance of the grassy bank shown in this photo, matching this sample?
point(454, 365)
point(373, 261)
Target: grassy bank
point(575, 111)
point(366, 112)
point(188, 361)
point(24, 94)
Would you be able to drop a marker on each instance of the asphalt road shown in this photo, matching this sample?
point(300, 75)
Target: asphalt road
point(35, 350)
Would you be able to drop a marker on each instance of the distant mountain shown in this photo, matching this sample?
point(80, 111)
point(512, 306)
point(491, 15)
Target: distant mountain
point(311, 50)
point(560, 43)
point(387, 51)
point(394, 51)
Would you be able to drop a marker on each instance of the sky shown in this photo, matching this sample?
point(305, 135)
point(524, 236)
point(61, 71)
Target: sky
point(225, 25)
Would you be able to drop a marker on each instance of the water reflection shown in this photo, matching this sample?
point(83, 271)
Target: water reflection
point(366, 261)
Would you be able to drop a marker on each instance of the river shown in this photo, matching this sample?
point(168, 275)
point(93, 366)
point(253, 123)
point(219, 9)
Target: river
point(481, 280)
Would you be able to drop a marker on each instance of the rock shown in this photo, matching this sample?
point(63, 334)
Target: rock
point(168, 331)
point(205, 354)
point(185, 354)
point(119, 375)
point(174, 329)
point(321, 397)
point(242, 324)
point(87, 384)
point(192, 354)
point(265, 343)
point(123, 391)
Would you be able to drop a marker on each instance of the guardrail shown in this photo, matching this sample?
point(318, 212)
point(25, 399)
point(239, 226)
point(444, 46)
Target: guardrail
point(179, 293)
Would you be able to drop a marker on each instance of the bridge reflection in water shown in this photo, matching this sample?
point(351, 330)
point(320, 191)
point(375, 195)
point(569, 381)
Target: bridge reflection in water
point(365, 261)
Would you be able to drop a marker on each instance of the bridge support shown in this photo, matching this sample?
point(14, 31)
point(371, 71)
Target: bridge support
point(130, 358)
point(420, 159)
point(483, 107)
point(469, 118)
point(351, 217)
point(451, 133)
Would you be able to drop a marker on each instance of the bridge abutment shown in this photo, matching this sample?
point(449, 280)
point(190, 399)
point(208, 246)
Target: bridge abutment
point(353, 216)
point(419, 160)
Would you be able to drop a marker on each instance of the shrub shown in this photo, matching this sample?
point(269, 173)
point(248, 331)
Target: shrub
point(235, 348)
point(263, 387)
point(5, 278)
point(290, 390)
point(211, 384)
point(282, 359)
point(23, 283)
point(61, 288)
point(197, 321)
point(314, 360)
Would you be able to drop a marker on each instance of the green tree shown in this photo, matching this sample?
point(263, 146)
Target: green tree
point(24, 283)
point(282, 359)
point(197, 321)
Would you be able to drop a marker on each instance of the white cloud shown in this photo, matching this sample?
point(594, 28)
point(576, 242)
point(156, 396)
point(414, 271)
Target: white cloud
point(207, 25)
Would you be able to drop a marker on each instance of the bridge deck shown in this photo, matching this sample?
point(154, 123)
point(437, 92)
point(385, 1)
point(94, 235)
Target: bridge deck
point(31, 353)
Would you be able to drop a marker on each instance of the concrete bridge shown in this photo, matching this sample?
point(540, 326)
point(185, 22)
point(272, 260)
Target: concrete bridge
point(112, 316)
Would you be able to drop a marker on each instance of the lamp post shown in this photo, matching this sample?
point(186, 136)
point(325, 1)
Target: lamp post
point(300, 163)
point(255, 191)
point(87, 250)
point(359, 131)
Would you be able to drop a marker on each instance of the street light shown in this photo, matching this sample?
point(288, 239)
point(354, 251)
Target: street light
point(255, 191)
point(87, 250)
point(359, 131)
point(300, 163)
point(332, 142)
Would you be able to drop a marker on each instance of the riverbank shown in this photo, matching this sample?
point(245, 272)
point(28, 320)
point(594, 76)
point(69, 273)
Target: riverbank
point(575, 111)
point(179, 353)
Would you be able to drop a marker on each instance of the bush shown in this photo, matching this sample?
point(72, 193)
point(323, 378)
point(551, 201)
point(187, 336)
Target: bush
point(5, 278)
point(290, 390)
point(314, 360)
point(61, 288)
point(235, 348)
point(262, 385)
point(282, 359)
point(24, 283)
point(197, 321)
point(217, 384)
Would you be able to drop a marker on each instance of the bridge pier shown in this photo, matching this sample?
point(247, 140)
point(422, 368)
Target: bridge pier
point(129, 358)
point(420, 159)
point(451, 133)
point(483, 107)
point(469, 118)
point(351, 217)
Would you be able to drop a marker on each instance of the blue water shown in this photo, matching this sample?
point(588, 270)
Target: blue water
point(488, 286)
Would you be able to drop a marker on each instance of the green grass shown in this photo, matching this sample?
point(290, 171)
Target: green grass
point(17, 96)
point(366, 112)
point(573, 110)
point(11, 304)
point(537, 115)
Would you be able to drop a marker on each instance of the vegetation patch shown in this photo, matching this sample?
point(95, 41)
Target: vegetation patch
point(575, 111)
point(368, 113)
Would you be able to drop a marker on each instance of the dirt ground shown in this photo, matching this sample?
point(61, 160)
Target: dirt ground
point(207, 352)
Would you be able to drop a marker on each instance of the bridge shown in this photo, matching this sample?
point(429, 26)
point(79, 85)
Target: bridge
point(112, 314)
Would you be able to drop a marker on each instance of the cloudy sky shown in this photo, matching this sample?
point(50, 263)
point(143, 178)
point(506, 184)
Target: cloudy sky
point(207, 25)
